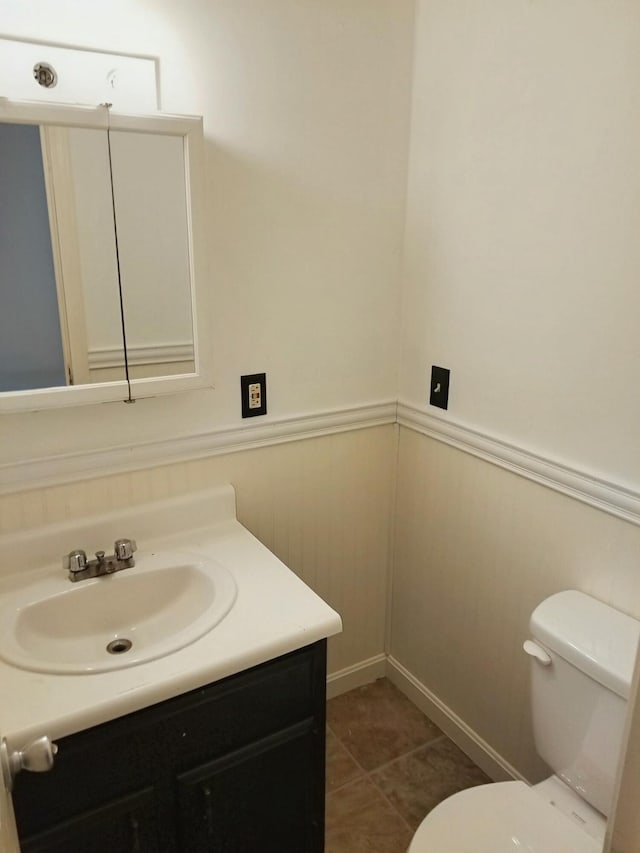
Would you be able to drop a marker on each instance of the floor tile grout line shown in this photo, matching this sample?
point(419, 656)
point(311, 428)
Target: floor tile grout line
point(410, 752)
point(367, 776)
point(355, 761)
point(391, 805)
point(434, 740)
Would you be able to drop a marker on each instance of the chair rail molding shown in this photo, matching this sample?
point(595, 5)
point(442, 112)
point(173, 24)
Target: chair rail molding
point(602, 494)
point(597, 492)
point(69, 467)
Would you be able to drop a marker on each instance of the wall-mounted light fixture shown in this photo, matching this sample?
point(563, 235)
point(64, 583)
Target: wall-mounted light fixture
point(71, 75)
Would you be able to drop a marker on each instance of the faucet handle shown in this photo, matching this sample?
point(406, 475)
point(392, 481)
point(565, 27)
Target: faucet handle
point(124, 548)
point(75, 561)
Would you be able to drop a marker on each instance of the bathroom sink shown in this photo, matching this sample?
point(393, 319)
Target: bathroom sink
point(163, 603)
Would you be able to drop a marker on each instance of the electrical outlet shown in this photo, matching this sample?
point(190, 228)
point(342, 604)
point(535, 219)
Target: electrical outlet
point(254, 394)
point(439, 395)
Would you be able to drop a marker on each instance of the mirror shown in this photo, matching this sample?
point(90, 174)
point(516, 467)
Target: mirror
point(98, 260)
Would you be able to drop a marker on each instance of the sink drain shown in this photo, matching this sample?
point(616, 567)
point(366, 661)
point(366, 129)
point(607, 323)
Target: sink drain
point(119, 646)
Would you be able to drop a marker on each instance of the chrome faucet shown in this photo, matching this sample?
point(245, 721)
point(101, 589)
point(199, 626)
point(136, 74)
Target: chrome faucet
point(81, 569)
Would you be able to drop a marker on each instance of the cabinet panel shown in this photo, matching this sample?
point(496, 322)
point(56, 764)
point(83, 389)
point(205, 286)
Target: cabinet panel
point(242, 757)
point(243, 708)
point(126, 825)
point(261, 799)
point(93, 767)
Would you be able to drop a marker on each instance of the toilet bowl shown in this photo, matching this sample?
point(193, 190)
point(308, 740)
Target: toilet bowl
point(504, 817)
point(582, 658)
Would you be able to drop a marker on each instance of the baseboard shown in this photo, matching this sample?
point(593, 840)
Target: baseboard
point(355, 676)
point(478, 750)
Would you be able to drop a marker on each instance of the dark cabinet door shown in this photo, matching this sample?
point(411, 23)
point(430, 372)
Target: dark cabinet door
point(126, 825)
point(236, 766)
point(263, 798)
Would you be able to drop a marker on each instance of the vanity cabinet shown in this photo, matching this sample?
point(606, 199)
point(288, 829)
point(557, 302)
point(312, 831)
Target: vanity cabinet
point(233, 767)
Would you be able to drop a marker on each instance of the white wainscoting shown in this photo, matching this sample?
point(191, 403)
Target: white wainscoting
point(477, 548)
point(595, 491)
point(323, 506)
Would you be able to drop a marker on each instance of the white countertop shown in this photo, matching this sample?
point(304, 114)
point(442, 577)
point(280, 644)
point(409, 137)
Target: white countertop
point(274, 613)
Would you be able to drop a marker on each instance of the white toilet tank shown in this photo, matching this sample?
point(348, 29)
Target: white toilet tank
point(579, 698)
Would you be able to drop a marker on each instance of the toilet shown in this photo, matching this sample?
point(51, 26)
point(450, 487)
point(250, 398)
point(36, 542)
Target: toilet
point(582, 658)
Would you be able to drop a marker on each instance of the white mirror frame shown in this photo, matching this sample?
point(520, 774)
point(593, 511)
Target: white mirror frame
point(190, 128)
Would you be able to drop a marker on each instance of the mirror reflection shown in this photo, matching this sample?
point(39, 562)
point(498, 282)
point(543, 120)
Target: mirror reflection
point(62, 319)
point(151, 218)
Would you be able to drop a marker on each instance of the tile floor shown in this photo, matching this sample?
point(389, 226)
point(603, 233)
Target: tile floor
point(387, 766)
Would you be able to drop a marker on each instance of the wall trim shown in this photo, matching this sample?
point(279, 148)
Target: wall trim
point(478, 750)
point(382, 665)
point(137, 354)
point(357, 675)
point(596, 492)
point(70, 467)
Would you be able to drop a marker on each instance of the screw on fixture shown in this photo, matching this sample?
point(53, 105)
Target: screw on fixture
point(45, 75)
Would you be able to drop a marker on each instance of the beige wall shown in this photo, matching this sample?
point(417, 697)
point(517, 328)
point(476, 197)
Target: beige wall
point(522, 254)
point(477, 548)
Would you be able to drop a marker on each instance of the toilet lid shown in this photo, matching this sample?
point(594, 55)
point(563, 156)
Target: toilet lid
point(504, 817)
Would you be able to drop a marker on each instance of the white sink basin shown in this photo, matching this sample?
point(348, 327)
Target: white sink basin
point(163, 603)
